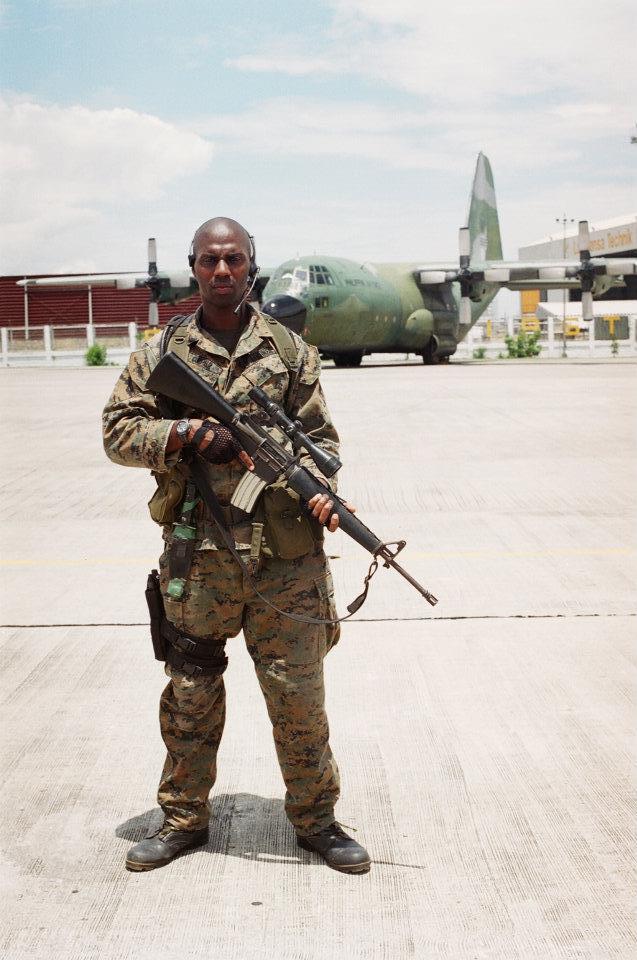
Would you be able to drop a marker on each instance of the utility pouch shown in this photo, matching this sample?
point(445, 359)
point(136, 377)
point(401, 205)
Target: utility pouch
point(164, 503)
point(182, 547)
point(182, 544)
point(155, 603)
point(288, 531)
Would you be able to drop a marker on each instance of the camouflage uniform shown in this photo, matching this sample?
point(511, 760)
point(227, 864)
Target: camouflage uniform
point(217, 604)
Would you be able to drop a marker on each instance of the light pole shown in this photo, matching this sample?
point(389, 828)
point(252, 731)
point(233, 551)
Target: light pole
point(564, 220)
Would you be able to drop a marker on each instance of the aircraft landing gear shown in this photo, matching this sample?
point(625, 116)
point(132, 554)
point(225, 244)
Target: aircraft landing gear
point(351, 359)
point(429, 354)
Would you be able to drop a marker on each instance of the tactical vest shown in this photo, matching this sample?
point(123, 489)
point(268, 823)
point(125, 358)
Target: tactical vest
point(287, 531)
point(175, 339)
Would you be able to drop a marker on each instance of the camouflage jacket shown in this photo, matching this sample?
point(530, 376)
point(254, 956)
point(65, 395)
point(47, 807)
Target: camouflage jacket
point(135, 432)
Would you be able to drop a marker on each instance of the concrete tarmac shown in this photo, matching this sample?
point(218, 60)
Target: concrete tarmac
point(486, 745)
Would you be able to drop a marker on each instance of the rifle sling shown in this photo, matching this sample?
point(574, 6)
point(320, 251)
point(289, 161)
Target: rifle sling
point(209, 497)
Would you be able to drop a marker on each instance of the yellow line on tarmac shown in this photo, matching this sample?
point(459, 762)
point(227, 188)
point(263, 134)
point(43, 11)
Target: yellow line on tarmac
point(515, 554)
point(73, 561)
point(412, 554)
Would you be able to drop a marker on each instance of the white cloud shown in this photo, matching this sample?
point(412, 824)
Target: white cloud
point(467, 52)
point(292, 127)
point(409, 139)
point(66, 166)
point(467, 56)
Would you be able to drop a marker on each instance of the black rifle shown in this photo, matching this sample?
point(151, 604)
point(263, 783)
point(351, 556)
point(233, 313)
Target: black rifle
point(175, 379)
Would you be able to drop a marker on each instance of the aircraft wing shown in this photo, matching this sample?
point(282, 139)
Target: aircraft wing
point(533, 274)
point(592, 275)
point(122, 281)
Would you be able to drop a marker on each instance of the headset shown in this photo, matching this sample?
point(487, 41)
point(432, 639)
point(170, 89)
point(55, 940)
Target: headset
point(253, 270)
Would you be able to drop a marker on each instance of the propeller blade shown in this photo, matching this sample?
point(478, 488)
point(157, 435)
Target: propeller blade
point(465, 311)
point(465, 246)
point(584, 240)
point(153, 314)
point(152, 257)
point(587, 305)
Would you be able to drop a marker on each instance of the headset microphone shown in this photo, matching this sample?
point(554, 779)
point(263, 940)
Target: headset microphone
point(249, 289)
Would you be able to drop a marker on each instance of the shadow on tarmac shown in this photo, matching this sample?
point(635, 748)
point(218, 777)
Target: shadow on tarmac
point(242, 825)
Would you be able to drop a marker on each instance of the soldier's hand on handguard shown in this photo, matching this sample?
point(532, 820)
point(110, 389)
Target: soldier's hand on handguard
point(321, 508)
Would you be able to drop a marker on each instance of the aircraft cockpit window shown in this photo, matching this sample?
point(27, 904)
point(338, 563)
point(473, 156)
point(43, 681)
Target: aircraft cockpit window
point(301, 275)
point(320, 274)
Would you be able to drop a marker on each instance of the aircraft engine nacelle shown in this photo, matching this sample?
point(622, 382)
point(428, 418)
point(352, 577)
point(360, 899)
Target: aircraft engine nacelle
point(602, 284)
point(177, 286)
point(416, 330)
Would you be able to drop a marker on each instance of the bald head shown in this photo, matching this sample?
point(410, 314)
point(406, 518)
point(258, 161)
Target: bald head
point(222, 230)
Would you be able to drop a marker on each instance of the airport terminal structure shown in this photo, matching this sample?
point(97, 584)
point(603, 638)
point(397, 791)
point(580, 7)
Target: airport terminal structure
point(615, 237)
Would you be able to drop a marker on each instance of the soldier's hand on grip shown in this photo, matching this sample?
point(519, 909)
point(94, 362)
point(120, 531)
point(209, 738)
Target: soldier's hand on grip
point(217, 444)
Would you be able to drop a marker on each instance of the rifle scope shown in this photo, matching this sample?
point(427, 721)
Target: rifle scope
point(327, 464)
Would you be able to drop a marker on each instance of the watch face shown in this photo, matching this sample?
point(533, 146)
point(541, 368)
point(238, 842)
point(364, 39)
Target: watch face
point(182, 429)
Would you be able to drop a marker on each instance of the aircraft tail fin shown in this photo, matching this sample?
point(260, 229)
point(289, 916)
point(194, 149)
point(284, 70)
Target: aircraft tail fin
point(484, 226)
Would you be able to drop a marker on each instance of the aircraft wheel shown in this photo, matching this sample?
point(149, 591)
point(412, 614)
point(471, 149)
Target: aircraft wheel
point(351, 359)
point(430, 357)
point(430, 353)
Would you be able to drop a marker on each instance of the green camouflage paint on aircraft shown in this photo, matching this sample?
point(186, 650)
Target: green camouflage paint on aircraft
point(349, 309)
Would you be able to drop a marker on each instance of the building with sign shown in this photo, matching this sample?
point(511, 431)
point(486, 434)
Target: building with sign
point(608, 238)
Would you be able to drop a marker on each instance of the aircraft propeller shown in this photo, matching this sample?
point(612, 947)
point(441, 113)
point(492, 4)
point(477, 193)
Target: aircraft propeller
point(153, 283)
point(587, 274)
point(465, 276)
point(594, 275)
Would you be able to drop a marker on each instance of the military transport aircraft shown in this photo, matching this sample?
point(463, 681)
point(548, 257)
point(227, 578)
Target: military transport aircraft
point(349, 309)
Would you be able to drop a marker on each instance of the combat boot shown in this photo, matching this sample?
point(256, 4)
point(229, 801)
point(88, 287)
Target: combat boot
point(340, 851)
point(159, 850)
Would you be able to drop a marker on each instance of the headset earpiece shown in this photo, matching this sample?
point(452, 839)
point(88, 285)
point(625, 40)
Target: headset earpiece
point(253, 258)
point(252, 253)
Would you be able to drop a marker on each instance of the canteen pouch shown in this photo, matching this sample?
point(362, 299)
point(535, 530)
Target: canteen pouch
point(287, 530)
point(155, 603)
point(166, 500)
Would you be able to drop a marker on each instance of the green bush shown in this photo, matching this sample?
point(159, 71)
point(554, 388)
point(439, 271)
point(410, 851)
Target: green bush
point(524, 345)
point(95, 356)
point(479, 353)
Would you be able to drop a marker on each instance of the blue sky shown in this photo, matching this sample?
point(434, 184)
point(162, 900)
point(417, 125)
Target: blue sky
point(348, 127)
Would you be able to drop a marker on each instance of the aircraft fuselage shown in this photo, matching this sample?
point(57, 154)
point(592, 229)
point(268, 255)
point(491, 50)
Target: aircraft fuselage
point(348, 309)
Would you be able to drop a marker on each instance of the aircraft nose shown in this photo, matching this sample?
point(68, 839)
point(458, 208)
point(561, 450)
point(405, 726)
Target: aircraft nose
point(287, 310)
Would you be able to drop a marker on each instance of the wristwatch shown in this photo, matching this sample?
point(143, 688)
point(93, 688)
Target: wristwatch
point(182, 430)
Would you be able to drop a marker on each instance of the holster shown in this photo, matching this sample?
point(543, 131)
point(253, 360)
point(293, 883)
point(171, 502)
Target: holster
point(157, 613)
point(192, 655)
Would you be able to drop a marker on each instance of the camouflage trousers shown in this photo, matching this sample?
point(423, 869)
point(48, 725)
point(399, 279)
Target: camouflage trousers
point(288, 659)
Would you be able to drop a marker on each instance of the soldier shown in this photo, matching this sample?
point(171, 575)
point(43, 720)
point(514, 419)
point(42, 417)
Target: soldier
point(229, 343)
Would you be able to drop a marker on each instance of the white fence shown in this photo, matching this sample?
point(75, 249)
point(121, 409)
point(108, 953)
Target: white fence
point(65, 345)
point(552, 344)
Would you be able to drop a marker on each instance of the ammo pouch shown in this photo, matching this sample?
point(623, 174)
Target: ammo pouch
point(194, 656)
point(166, 500)
point(287, 529)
